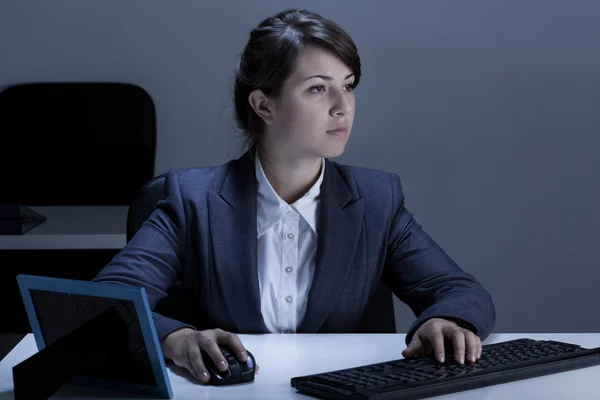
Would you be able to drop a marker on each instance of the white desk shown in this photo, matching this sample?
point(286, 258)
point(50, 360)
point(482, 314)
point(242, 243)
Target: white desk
point(282, 357)
point(78, 227)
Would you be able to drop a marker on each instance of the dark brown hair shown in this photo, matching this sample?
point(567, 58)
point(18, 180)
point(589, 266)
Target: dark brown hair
point(268, 59)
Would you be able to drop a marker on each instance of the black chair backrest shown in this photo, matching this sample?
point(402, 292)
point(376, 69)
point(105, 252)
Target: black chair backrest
point(379, 317)
point(75, 143)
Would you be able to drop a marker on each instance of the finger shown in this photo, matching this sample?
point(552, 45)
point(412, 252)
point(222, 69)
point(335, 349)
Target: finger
point(471, 346)
point(185, 363)
point(233, 341)
point(196, 364)
point(190, 368)
point(414, 348)
point(458, 343)
point(436, 340)
point(479, 348)
point(214, 352)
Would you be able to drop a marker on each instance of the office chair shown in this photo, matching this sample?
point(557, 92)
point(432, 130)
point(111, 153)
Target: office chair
point(53, 131)
point(379, 317)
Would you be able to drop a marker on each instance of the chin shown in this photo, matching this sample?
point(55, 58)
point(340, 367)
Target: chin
point(332, 152)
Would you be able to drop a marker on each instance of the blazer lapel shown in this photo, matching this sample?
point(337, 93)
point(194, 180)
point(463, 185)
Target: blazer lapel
point(233, 234)
point(339, 228)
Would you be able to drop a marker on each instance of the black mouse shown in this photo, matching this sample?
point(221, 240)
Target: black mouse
point(238, 372)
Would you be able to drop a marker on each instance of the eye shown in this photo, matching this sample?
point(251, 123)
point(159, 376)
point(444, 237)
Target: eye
point(349, 87)
point(317, 89)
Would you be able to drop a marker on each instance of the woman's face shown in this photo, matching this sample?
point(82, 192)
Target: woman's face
point(314, 113)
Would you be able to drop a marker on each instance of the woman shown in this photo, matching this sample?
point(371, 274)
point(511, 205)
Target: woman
point(285, 240)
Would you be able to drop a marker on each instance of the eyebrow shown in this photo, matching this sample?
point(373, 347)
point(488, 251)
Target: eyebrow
point(325, 77)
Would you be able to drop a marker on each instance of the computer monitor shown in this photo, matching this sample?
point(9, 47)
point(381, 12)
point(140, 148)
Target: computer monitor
point(89, 333)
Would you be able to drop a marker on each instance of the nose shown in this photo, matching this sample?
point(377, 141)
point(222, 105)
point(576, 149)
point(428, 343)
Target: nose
point(340, 104)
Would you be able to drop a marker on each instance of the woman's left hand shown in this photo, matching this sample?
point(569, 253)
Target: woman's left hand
point(435, 331)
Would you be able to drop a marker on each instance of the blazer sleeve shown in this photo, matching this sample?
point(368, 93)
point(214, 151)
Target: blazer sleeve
point(152, 258)
point(425, 278)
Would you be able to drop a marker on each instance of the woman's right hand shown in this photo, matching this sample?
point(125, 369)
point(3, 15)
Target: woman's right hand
point(184, 347)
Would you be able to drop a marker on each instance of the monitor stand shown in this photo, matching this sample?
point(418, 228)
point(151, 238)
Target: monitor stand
point(16, 219)
point(88, 347)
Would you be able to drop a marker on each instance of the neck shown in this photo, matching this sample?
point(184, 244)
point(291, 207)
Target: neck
point(290, 177)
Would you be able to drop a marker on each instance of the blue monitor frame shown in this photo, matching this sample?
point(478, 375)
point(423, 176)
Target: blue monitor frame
point(137, 295)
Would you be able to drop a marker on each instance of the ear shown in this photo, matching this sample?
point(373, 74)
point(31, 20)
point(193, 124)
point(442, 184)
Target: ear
point(262, 105)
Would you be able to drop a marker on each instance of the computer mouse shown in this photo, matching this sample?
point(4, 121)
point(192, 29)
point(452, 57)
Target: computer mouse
point(238, 372)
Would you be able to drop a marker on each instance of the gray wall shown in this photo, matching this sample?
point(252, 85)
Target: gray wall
point(488, 110)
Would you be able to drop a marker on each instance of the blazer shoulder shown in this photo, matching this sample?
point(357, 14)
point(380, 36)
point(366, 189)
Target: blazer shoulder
point(191, 181)
point(369, 182)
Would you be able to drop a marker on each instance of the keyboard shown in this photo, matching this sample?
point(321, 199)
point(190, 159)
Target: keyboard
point(422, 377)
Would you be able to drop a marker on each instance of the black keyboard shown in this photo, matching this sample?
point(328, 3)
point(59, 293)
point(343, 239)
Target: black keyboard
point(422, 377)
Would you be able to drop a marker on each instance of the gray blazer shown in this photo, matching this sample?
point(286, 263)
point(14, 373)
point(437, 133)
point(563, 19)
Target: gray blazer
point(204, 236)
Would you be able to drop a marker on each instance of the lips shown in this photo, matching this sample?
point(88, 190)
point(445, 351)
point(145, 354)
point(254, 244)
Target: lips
point(339, 130)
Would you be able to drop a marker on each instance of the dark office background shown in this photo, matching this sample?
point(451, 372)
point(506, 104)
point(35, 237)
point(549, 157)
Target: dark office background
point(488, 111)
